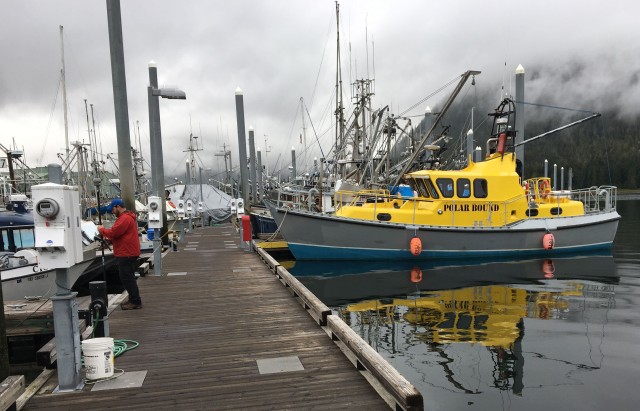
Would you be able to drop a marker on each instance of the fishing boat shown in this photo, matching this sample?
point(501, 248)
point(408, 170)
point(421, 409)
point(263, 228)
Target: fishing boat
point(22, 277)
point(482, 210)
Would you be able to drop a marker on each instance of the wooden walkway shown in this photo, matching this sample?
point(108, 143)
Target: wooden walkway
point(216, 312)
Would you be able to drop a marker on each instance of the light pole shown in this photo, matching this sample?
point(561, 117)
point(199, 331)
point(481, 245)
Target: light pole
point(157, 166)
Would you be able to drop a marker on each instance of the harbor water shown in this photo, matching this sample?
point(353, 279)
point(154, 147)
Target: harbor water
point(551, 334)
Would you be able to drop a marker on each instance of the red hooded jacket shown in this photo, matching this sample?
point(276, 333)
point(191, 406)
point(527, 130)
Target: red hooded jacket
point(124, 235)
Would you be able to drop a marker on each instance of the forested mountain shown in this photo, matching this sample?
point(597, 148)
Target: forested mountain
point(602, 151)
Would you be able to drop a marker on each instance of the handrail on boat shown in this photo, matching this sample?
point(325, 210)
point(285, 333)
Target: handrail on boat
point(597, 199)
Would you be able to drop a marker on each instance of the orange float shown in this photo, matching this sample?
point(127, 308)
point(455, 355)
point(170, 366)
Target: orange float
point(416, 275)
point(548, 241)
point(548, 268)
point(415, 246)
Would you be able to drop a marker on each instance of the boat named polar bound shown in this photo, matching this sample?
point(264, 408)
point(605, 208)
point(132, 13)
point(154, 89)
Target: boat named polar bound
point(482, 210)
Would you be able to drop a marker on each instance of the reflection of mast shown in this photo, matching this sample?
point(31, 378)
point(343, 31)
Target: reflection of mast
point(448, 372)
point(510, 365)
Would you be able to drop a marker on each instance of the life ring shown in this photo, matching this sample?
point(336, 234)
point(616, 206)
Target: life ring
point(548, 241)
point(526, 188)
point(544, 188)
point(415, 246)
point(416, 275)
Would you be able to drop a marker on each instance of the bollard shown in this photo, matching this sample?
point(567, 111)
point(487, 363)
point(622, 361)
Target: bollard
point(98, 308)
point(246, 231)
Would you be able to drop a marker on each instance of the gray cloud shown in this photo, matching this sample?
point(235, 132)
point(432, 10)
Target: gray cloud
point(577, 54)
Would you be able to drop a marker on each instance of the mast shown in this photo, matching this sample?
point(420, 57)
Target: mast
point(304, 133)
point(339, 102)
point(418, 150)
point(64, 92)
point(192, 159)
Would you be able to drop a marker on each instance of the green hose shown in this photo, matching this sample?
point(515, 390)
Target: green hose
point(122, 346)
point(119, 346)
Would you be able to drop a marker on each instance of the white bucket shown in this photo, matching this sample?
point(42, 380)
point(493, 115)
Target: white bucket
point(98, 357)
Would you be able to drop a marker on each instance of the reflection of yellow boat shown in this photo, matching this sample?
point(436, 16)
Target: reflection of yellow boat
point(342, 282)
point(488, 315)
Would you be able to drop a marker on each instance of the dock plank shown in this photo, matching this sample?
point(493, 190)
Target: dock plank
point(202, 333)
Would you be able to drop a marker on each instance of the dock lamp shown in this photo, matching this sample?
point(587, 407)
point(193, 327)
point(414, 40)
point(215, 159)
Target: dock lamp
point(157, 166)
point(170, 93)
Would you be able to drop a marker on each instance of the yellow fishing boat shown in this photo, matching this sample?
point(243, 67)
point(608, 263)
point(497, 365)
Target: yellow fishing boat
point(484, 209)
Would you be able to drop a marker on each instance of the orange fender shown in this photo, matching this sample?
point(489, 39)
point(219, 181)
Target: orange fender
point(548, 241)
point(415, 246)
point(416, 275)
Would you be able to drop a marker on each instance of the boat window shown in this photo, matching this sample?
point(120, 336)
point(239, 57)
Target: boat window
point(480, 188)
point(24, 238)
point(419, 186)
point(463, 188)
point(446, 186)
point(431, 188)
point(4, 241)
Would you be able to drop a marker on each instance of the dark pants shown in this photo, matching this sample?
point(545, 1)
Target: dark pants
point(127, 271)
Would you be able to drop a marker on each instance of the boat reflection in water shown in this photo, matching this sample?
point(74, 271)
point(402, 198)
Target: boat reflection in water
point(469, 320)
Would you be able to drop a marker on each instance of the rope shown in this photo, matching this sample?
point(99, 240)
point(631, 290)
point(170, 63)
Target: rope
point(556, 107)
point(275, 233)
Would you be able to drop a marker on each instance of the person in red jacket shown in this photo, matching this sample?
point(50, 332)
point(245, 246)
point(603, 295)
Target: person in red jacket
point(126, 249)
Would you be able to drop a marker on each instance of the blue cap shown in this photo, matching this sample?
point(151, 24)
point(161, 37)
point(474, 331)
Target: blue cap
point(115, 202)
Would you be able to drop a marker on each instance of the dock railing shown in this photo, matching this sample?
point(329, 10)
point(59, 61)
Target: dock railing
point(396, 390)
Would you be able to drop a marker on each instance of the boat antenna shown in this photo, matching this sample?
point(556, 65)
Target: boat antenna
point(373, 57)
point(366, 40)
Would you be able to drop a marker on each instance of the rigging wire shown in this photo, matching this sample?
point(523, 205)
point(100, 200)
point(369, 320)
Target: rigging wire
point(51, 112)
point(454, 80)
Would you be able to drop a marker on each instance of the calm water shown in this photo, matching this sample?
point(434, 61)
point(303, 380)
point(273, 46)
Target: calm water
point(512, 335)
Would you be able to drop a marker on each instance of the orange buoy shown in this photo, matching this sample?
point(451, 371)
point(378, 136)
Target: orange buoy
point(415, 246)
point(548, 268)
point(548, 241)
point(416, 275)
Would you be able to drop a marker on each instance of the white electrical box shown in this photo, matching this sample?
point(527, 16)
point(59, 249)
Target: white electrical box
point(154, 212)
point(233, 206)
point(58, 232)
point(180, 208)
point(200, 207)
point(240, 207)
point(190, 210)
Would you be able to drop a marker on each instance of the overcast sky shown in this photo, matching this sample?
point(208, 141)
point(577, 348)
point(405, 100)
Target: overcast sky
point(583, 54)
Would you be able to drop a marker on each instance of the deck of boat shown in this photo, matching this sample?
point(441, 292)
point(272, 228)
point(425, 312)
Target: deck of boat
point(207, 323)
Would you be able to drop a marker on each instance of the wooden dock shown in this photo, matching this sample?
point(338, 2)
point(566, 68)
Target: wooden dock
point(220, 331)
